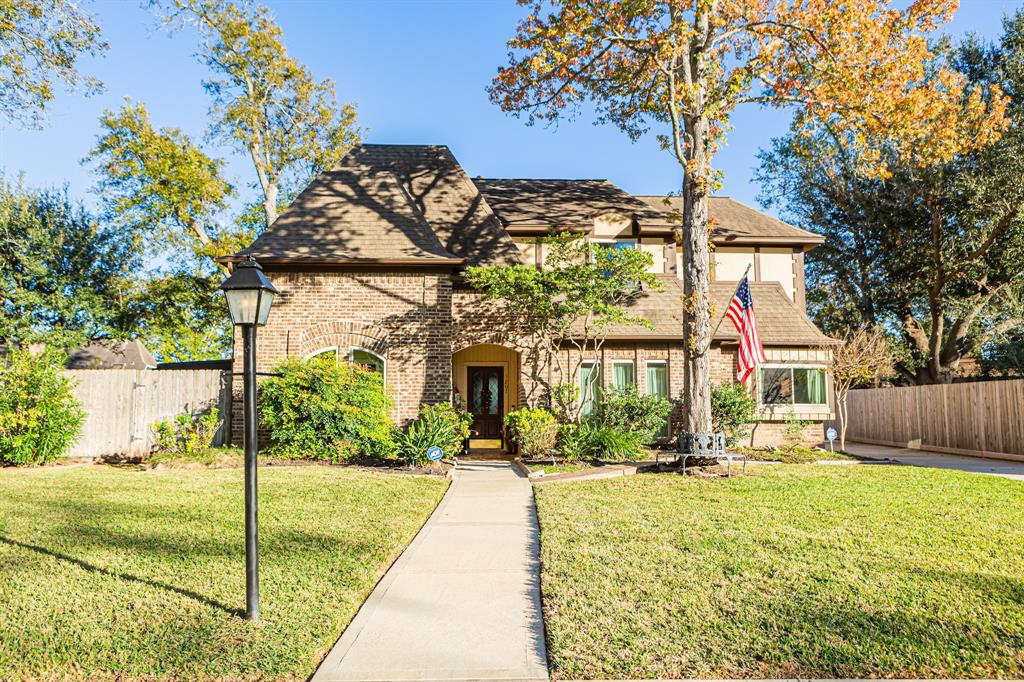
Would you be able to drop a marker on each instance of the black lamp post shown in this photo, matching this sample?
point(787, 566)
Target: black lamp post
point(249, 295)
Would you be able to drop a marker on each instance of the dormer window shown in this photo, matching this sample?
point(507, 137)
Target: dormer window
point(615, 243)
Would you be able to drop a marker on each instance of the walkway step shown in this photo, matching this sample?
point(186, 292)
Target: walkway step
point(463, 600)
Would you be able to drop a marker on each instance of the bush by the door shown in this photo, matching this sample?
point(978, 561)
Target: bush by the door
point(444, 425)
point(39, 416)
point(535, 429)
point(320, 409)
point(640, 417)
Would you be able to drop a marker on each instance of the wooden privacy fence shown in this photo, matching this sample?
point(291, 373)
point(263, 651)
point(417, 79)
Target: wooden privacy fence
point(121, 404)
point(983, 418)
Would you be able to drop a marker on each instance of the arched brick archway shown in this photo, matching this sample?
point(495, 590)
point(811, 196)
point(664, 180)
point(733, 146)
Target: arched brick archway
point(343, 334)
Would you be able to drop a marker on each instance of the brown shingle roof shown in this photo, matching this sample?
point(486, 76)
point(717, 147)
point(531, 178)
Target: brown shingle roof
point(409, 204)
point(111, 355)
point(779, 320)
point(571, 204)
point(739, 223)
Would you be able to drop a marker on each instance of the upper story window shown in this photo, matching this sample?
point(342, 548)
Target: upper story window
point(615, 243)
point(792, 386)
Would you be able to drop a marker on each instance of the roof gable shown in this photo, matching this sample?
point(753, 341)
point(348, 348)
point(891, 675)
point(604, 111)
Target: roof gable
point(780, 322)
point(391, 204)
point(568, 204)
point(739, 223)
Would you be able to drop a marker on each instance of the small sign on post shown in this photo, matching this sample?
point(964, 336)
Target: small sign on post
point(434, 453)
point(831, 434)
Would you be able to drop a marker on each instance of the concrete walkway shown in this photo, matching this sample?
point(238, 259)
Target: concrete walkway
point(939, 460)
point(463, 600)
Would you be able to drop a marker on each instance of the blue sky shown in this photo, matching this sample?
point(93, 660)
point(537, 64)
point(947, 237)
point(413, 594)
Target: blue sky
point(417, 71)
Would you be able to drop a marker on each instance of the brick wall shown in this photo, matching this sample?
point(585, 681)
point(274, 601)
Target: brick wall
point(416, 321)
point(405, 318)
point(774, 433)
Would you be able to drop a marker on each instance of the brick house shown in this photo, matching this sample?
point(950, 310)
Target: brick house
point(368, 259)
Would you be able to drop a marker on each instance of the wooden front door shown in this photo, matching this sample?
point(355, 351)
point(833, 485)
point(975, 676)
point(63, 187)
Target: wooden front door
point(486, 401)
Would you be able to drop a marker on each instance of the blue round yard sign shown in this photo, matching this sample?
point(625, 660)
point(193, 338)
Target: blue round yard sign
point(434, 453)
point(831, 433)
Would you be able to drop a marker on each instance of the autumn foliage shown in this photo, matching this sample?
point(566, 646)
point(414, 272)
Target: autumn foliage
point(859, 68)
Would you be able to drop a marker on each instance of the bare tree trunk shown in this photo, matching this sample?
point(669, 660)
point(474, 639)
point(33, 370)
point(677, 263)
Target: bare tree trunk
point(841, 396)
point(270, 203)
point(696, 277)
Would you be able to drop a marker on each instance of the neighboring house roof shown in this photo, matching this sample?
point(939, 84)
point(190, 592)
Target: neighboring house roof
point(779, 321)
point(738, 223)
point(111, 355)
point(523, 203)
point(388, 204)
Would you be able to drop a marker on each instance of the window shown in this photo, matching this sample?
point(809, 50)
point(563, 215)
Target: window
point(793, 386)
point(615, 243)
point(325, 354)
point(623, 375)
point(657, 385)
point(590, 386)
point(367, 359)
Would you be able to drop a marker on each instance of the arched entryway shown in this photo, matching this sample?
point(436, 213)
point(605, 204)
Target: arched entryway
point(486, 379)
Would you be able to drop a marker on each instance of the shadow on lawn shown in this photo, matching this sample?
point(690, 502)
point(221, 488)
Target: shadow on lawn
point(125, 576)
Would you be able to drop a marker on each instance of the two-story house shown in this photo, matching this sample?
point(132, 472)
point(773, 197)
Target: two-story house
point(369, 260)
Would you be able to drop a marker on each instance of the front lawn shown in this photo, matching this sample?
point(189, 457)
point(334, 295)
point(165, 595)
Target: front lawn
point(792, 571)
point(114, 574)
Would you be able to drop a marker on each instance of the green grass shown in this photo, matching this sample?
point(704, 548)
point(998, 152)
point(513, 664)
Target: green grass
point(810, 571)
point(110, 574)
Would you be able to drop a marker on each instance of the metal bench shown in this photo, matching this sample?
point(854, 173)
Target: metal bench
point(706, 446)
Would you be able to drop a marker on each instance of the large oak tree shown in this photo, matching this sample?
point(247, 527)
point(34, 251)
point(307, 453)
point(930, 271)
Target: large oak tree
point(933, 253)
point(857, 66)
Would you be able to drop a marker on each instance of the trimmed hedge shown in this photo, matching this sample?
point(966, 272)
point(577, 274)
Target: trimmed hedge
point(320, 409)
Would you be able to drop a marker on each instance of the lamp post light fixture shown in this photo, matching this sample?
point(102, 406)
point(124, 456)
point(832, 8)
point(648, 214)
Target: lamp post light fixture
point(249, 294)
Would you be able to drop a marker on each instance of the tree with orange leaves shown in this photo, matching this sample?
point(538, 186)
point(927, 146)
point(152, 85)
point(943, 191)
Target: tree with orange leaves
point(855, 66)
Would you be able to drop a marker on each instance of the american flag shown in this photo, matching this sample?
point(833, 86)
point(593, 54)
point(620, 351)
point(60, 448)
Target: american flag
point(741, 314)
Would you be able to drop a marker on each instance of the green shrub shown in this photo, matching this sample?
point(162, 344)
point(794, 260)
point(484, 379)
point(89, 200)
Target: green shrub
point(640, 417)
point(733, 410)
point(39, 417)
point(320, 409)
point(576, 441)
point(590, 440)
point(794, 429)
point(535, 429)
point(609, 443)
point(186, 434)
point(444, 425)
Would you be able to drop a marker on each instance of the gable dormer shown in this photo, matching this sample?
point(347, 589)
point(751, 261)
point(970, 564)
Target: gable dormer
point(747, 240)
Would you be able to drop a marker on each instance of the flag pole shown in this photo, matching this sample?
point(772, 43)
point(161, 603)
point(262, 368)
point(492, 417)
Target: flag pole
point(745, 273)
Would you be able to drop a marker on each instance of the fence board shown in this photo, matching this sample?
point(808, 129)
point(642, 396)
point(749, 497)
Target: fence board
point(982, 418)
point(121, 404)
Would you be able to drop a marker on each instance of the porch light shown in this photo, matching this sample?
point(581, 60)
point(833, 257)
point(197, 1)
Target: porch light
point(249, 294)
